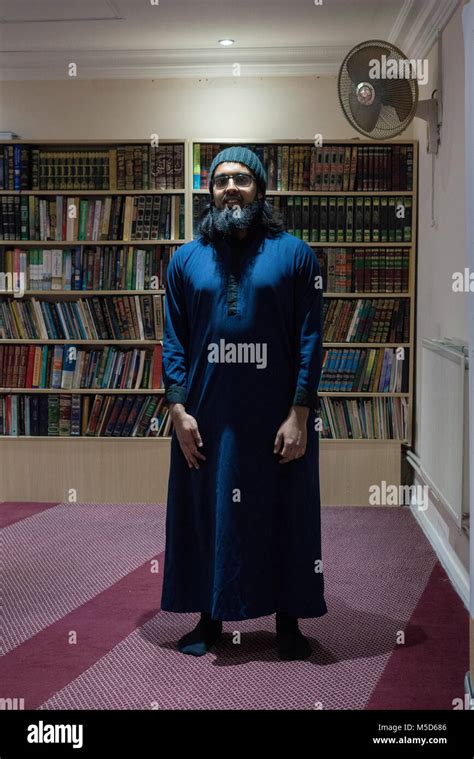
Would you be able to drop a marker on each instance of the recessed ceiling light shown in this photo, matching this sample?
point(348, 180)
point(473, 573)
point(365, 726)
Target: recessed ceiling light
point(226, 43)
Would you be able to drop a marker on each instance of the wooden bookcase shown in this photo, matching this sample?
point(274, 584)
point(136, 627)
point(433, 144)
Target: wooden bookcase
point(86, 468)
point(136, 469)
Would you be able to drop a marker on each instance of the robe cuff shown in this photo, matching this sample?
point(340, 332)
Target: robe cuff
point(303, 397)
point(175, 394)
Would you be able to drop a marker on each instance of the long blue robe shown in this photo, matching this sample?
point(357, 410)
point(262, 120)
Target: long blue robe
point(243, 535)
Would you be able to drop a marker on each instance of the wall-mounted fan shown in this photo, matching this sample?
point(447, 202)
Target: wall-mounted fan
point(382, 107)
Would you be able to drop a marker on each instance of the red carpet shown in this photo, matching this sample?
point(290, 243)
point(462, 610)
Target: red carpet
point(435, 652)
point(83, 629)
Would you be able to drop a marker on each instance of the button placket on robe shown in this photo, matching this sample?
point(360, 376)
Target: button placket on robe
point(232, 294)
point(235, 272)
point(235, 268)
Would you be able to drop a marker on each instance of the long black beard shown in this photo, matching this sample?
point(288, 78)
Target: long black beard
point(217, 224)
point(229, 220)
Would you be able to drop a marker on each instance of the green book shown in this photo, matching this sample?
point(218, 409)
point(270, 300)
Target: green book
point(323, 219)
point(408, 220)
point(314, 219)
point(332, 218)
point(391, 219)
point(341, 219)
point(83, 207)
point(24, 217)
point(290, 214)
point(131, 269)
point(359, 219)
point(375, 219)
point(399, 219)
point(367, 219)
point(298, 216)
point(350, 219)
point(305, 220)
point(383, 218)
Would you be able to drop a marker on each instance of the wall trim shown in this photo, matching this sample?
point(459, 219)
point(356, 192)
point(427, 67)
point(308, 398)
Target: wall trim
point(447, 557)
point(154, 64)
point(416, 28)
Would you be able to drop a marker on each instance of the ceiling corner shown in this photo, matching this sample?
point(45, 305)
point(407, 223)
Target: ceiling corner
point(417, 25)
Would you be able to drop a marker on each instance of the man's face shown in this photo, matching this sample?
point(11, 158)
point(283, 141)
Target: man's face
point(232, 195)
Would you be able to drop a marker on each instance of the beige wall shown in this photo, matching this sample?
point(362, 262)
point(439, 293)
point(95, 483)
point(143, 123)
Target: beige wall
point(270, 108)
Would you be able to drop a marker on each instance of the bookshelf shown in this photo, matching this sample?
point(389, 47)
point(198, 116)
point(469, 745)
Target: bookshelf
point(136, 468)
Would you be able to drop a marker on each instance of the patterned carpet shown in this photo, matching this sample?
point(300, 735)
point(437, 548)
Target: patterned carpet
point(82, 628)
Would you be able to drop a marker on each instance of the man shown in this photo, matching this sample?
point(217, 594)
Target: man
point(241, 365)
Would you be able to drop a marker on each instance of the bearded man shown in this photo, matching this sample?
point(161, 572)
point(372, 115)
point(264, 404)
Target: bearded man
point(241, 365)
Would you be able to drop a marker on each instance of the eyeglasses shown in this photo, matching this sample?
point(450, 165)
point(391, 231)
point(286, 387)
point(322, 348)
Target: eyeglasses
point(240, 180)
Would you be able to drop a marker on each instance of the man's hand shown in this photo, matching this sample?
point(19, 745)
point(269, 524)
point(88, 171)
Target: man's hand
point(187, 433)
point(292, 433)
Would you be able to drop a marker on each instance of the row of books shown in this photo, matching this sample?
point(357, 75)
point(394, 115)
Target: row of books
point(364, 370)
point(76, 415)
point(347, 219)
point(82, 268)
point(33, 366)
point(125, 167)
point(110, 317)
point(141, 318)
point(329, 168)
point(119, 217)
point(337, 219)
point(364, 270)
point(289, 167)
point(366, 320)
point(344, 270)
point(70, 367)
point(145, 416)
point(65, 366)
point(146, 167)
point(364, 418)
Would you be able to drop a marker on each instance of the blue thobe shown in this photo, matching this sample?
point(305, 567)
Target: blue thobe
point(242, 344)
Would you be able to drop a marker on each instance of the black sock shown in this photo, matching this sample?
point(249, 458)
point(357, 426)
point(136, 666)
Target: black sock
point(291, 643)
point(205, 634)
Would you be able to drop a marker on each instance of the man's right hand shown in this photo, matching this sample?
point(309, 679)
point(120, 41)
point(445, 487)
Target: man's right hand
point(188, 435)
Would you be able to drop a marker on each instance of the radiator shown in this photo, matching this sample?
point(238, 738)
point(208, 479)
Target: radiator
point(443, 458)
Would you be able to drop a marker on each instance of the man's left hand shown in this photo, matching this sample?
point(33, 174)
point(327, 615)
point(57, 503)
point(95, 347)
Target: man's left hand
point(293, 435)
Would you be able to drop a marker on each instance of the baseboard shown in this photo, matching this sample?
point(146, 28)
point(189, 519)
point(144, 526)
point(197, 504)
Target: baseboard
point(447, 557)
point(469, 691)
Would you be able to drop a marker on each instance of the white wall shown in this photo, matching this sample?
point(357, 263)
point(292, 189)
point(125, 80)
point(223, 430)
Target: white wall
point(442, 248)
point(468, 28)
point(442, 251)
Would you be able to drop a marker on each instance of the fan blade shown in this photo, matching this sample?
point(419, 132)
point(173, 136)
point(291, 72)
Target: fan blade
point(358, 64)
point(398, 94)
point(365, 115)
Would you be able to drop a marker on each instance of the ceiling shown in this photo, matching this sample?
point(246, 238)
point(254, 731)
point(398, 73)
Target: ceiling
point(149, 39)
